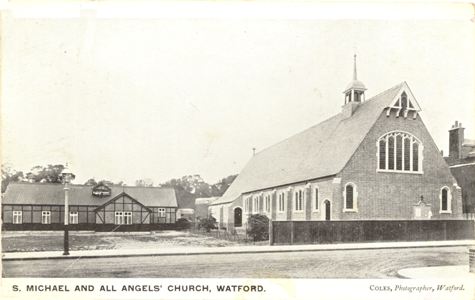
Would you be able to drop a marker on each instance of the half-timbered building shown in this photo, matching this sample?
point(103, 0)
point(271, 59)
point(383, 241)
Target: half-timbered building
point(30, 206)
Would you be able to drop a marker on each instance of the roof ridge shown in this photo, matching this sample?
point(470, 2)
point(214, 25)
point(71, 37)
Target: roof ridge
point(26, 182)
point(86, 185)
point(143, 187)
point(385, 91)
point(47, 183)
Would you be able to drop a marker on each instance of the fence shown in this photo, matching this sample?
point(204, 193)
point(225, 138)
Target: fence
point(233, 235)
point(325, 232)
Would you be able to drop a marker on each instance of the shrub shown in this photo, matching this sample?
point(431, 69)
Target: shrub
point(258, 227)
point(183, 223)
point(207, 223)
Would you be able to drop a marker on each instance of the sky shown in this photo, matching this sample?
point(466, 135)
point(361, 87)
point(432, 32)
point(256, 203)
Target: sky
point(128, 94)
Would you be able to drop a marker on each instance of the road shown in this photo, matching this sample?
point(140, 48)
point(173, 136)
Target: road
point(382, 263)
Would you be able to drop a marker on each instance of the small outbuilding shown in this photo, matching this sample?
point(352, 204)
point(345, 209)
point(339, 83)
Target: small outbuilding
point(461, 160)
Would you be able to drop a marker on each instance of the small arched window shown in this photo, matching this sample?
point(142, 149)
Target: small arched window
point(399, 152)
point(267, 203)
point(445, 200)
point(255, 205)
point(281, 206)
point(350, 197)
point(315, 199)
point(298, 200)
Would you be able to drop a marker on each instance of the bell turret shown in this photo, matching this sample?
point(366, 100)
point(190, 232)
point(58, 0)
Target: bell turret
point(354, 92)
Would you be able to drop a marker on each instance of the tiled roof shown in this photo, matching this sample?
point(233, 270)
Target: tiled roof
point(47, 193)
point(320, 151)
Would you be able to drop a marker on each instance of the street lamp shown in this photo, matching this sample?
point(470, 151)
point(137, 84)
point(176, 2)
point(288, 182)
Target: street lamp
point(66, 176)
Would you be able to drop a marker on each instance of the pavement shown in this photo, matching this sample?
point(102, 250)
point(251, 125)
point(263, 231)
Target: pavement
point(8, 256)
point(439, 272)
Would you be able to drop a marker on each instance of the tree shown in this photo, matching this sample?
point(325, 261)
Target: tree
point(110, 183)
point(10, 175)
point(190, 187)
point(220, 188)
point(207, 223)
point(191, 184)
point(91, 181)
point(147, 182)
point(258, 227)
point(50, 174)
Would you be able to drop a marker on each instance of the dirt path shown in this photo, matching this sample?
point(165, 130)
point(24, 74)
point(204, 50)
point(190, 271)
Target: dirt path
point(88, 240)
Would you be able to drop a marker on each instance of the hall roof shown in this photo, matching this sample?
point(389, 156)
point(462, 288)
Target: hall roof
point(53, 194)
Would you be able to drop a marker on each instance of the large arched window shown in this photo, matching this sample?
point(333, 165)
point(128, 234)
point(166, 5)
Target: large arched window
point(399, 151)
point(350, 197)
point(445, 200)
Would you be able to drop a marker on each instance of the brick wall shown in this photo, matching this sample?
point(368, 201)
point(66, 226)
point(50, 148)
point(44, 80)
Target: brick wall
point(324, 232)
point(325, 189)
point(392, 195)
point(325, 192)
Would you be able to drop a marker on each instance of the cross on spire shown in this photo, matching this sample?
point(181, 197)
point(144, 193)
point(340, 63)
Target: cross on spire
point(354, 67)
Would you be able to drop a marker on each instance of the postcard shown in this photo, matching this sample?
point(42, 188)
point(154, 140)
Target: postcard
point(237, 150)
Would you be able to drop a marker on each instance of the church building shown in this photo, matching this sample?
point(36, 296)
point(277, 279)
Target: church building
point(375, 160)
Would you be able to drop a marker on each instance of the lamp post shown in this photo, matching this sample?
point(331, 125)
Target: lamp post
point(66, 176)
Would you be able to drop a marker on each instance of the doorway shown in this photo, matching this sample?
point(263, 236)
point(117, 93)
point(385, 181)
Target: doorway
point(237, 217)
point(327, 206)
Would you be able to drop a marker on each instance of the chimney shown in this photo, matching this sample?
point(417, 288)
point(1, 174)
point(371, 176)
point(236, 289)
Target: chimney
point(456, 137)
point(349, 109)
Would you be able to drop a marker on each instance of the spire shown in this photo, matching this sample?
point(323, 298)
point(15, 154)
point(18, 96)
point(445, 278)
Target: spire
point(354, 92)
